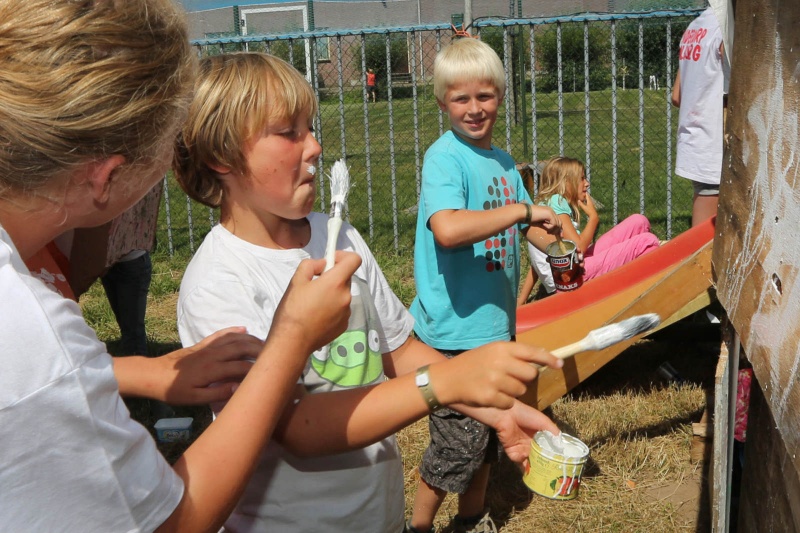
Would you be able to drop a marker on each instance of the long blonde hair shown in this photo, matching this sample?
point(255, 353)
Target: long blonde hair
point(562, 176)
point(82, 81)
point(237, 95)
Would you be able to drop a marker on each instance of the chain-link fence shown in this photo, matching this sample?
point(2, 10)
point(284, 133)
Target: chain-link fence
point(594, 87)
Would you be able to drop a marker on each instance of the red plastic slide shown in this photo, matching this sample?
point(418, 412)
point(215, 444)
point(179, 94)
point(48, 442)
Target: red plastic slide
point(554, 307)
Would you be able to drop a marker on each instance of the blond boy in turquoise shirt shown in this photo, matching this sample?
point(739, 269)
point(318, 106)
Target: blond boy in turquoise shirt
point(473, 205)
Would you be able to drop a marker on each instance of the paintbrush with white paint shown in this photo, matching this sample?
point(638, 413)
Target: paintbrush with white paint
point(340, 185)
point(607, 335)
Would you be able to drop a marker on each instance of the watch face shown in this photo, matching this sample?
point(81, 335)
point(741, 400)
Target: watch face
point(422, 379)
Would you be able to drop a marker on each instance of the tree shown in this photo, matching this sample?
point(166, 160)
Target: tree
point(654, 46)
point(281, 49)
point(572, 57)
point(375, 50)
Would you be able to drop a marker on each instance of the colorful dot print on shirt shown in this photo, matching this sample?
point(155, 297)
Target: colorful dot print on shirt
point(499, 247)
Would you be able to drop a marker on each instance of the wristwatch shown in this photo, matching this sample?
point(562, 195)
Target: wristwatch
point(423, 381)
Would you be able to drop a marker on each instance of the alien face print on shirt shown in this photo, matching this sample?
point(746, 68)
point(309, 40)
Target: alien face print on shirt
point(354, 358)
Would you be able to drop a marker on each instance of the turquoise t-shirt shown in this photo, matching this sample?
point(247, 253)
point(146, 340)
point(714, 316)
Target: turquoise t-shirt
point(466, 296)
point(561, 207)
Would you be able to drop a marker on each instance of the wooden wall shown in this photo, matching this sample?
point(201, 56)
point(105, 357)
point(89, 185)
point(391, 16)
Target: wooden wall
point(757, 246)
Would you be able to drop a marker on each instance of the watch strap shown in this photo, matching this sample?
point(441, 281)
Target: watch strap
point(424, 385)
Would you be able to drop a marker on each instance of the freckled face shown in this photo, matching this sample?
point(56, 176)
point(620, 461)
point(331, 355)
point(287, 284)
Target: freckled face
point(279, 161)
point(472, 109)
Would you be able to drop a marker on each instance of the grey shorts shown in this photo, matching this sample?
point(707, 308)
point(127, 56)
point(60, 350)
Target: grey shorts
point(459, 447)
point(705, 189)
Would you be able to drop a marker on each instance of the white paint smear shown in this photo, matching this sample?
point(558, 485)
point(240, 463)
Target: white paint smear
point(559, 445)
point(775, 202)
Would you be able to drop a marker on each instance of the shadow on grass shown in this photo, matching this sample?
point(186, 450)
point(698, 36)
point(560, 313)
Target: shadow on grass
point(691, 347)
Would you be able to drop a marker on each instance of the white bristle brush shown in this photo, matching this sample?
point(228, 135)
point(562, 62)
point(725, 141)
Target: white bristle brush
point(607, 335)
point(340, 184)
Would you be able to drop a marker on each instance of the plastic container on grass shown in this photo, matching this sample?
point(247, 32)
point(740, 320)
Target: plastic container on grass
point(555, 465)
point(174, 429)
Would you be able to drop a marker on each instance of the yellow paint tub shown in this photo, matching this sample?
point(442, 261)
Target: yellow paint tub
point(555, 465)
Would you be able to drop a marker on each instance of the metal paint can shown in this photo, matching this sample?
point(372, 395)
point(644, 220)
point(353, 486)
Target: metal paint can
point(567, 272)
point(555, 465)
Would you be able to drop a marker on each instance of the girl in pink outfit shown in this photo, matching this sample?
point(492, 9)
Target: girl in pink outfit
point(564, 187)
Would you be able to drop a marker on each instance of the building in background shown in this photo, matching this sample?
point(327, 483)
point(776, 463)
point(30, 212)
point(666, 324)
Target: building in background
point(216, 18)
point(339, 60)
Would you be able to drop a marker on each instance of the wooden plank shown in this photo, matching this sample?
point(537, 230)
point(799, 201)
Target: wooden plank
point(701, 301)
point(703, 434)
point(666, 296)
point(719, 473)
point(756, 256)
point(569, 328)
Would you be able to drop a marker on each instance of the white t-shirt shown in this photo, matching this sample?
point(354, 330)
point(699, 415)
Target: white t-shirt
point(542, 268)
point(704, 79)
point(71, 457)
point(231, 282)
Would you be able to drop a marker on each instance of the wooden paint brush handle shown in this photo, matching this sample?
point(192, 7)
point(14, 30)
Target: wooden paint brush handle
point(565, 352)
point(562, 248)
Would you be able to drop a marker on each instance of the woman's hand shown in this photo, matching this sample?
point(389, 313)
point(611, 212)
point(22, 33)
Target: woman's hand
point(220, 359)
point(312, 313)
point(183, 377)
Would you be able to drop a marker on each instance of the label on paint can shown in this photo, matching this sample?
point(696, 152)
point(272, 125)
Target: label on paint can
point(555, 465)
point(567, 273)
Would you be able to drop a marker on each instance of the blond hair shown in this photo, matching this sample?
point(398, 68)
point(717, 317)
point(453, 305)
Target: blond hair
point(467, 59)
point(562, 176)
point(82, 81)
point(236, 97)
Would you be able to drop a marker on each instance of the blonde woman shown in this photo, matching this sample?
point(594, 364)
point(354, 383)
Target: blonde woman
point(91, 97)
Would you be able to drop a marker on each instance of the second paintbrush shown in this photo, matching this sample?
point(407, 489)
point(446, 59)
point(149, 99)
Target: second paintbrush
point(605, 336)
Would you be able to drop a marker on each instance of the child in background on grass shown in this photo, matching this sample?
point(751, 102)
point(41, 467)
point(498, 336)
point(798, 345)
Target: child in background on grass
point(538, 259)
point(333, 465)
point(91, 97)
point(472, 206)
point(564, 187)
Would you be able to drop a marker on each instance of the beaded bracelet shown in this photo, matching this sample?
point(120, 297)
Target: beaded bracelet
point(528, 212)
